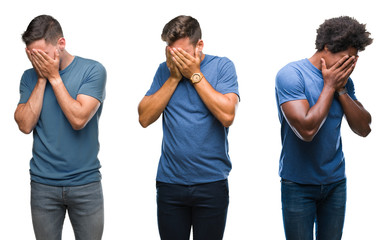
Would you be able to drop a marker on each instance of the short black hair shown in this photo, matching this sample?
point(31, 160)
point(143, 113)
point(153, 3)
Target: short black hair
point(338, 34)
point(43, 27)
point(181, 27)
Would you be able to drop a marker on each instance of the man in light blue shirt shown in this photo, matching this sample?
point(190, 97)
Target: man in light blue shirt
point(197, 95)
point(312, 96)
point(61, 100)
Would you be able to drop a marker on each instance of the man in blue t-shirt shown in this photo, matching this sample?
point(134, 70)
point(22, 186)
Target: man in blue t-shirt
point(61, 100)
point(197, 95)
point(312, 96)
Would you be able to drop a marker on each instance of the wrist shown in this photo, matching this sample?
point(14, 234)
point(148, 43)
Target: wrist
point(55, 80)
point(196, 77)
point(341, 91)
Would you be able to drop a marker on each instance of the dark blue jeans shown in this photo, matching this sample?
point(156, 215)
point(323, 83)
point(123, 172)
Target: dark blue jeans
point(304, 205)
point(203, 206)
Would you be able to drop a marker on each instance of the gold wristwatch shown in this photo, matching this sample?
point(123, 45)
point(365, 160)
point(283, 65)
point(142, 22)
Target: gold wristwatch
point(196, 77)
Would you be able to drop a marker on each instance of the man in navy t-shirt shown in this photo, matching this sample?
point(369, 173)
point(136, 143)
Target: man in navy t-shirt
point(197, 95)
point(312, 96)
point(61, 100)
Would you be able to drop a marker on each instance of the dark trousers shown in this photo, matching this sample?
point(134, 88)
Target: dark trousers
point(203, 206)
point(304, 205)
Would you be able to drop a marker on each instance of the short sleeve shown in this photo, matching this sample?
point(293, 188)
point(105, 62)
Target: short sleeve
point(227, 78)
point(351, 89)
point(289, 85)
point(95, 82)
point(161, 75)
point(27, 84)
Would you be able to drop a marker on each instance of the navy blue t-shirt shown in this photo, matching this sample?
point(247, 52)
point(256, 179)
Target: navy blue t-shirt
point(194, 146)
point(320, 161)
point(63, 156)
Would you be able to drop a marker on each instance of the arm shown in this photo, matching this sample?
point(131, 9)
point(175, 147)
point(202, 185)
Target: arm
point(79, 111)
point(27, 114)
point(357, 117)
point(222, 106)
point(305, 120)
point(151, 107)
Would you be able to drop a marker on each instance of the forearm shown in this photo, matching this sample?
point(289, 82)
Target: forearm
point(357, 117)
point(77, 114)
point(305, 120)
point(222, 106)
point(151, 107)
point(27, 114)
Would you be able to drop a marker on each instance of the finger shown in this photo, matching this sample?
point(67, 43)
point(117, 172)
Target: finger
point(340, 62)
point(185, 56)
point(348, 63)
point(37, 56)
point(198, 54)
point(36, 62)
point(323, 65)
point(45, 56)
point(28, 53)
point(56, 55)
point(176, 58)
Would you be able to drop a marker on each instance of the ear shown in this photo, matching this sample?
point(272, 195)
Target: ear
point(61, 44)
point(200, 45)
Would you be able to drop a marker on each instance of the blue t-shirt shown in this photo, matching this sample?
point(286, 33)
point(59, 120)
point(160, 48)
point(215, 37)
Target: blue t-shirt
point(320, 161)
point(194, 146)
point(63, 156)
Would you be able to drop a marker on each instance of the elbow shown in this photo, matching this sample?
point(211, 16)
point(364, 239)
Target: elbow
point(143, 122)
point(78, 124)
point(307, 135)
point(25, 130)
point(228, 120)
point(365, 132)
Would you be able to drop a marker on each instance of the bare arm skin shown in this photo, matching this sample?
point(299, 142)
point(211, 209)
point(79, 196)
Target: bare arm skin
point(305, 120)
point(222, 106)
point(357, 117)
point(27, 114)
point(151, 107)
point(79, 111)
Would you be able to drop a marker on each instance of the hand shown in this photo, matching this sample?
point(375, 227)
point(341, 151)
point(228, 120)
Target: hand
point(336, 76)
point(39, 74)
point(174, 72)
point(187, 64)
point(48, 67)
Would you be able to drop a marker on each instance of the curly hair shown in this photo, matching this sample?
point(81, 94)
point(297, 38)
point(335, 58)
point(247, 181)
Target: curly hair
point(338, 34)
point(43, 27)
point(181, 27)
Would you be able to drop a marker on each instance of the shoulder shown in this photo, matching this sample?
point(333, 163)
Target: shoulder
point(89, 64)
point(29, 75)
point(220, 61)
point(290, 72)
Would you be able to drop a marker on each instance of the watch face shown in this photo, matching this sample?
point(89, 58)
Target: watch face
point(196, 77)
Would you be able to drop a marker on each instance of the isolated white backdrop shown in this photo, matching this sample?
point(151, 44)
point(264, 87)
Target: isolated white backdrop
point(260, 37)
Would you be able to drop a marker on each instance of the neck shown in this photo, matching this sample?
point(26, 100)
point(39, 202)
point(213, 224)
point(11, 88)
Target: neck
point(316, 60)
point(65, 60)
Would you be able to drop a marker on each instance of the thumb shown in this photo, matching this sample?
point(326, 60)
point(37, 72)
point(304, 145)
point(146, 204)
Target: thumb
point(56, 55)
point(198, 54)
point(323, 65)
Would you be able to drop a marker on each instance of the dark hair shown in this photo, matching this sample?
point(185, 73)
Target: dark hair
point(181, 27)
point(340, 33)
point(43, 27)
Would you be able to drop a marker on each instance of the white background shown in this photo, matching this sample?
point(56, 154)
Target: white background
point(260, 38)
